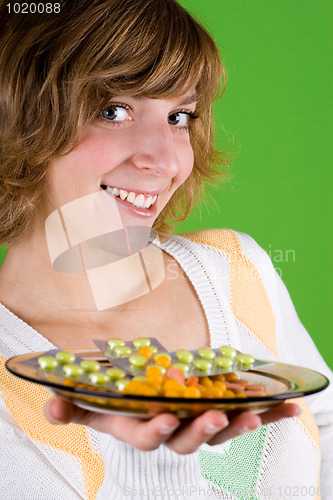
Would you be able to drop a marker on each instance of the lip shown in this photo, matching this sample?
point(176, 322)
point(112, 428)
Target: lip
point(150, 212)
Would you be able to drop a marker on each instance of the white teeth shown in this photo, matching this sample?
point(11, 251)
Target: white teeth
point(123, 194)
point(131, 197)
point(139, 200)
point(148, 202)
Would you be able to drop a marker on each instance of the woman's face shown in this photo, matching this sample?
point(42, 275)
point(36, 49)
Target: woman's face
point(138, 149)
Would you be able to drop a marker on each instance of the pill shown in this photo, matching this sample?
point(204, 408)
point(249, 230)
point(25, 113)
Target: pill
point(206, 353)
point(228, 351)
point(122, 351)
point(99, 378)
point(223, 362)
point(65, 357)
point(47, 362)
point(141, 343)
point(137, 360)
point(245, 359)
point(115, 342)
point(115, 373)
point(90, 366)
point(160, 367)
point(182, 366)
point(203, 365)
point(73, 371)
point(236, 388)
point(140, 378)
point(184, 356)
point(122, 384)
point(256, 387)
point(159, 354)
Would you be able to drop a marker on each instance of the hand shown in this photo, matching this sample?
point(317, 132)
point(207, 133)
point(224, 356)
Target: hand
point(211, 427)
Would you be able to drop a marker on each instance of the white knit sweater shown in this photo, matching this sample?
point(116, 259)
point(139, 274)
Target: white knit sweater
point(248, 307)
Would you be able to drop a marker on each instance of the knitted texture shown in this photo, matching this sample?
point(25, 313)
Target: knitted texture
point(246, 306)
point(25, 402)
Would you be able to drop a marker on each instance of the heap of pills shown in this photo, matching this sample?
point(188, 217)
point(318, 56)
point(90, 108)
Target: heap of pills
point(144, 352)
point(142, 367)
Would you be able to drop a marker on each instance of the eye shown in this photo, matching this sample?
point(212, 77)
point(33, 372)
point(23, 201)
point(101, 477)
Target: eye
point(116, 113)
point(182, 119)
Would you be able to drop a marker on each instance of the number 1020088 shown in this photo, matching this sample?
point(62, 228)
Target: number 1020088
point(33, 8)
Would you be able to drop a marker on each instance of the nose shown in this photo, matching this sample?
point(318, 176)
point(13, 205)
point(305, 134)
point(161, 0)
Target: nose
point(155, 151)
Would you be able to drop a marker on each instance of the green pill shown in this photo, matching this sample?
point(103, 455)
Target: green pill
point(184, 356)
point(122, 351)
point(183, 367)
point(228, 351)
point(223, 362)
point(47, 362)
point(112, 343)
point(115, 373)
point(65, 358)
point(122, 384)
point(90, 366)
point(140, 378)
point(245, 359)
point(206, 353)
point(159, 354)
point(141, 343)
point(99, 378)
point(138, 361)
point(153, 348)
point(204, 365)
point(73, 371)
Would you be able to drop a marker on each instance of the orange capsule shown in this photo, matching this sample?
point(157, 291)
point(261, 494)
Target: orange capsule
point(205, 381)
point(214, 392)
point(146, 352)
point(173, 394)
point(229, 394)
point(240, 395)
point(192, 392)
point(220, 377)
point(230, 377)
point(163, 361)
point(220, 384)
point(172, 385)
point(192, 380)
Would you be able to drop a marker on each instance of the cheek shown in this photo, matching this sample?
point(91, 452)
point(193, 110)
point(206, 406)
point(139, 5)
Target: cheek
point(186, 162)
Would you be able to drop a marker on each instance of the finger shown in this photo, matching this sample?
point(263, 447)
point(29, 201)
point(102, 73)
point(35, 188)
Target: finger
point(144, 435)
point(188, 438)
point(284, 410)
point(247, 422)
point(241, 424)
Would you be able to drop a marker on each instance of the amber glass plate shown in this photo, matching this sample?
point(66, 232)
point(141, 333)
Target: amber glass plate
point(282, 381)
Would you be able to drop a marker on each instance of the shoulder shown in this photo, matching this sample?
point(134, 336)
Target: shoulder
point(230, 242)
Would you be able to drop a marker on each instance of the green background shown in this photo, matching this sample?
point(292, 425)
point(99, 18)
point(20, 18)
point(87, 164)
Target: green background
point(276, 114)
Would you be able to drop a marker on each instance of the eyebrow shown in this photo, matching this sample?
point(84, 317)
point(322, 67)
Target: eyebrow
point(187, 100)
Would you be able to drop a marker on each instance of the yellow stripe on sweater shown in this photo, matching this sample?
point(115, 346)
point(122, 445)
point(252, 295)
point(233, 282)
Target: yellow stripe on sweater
point(249, 300)
point(25, 402)
point(251, 305)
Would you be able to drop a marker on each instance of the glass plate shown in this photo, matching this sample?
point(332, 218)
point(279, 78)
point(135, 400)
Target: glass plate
point(282, 381)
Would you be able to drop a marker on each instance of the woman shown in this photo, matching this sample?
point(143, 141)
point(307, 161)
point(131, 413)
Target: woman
point(107, 105)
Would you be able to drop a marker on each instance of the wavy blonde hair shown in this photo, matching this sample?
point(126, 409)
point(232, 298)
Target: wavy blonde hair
point(58, 72)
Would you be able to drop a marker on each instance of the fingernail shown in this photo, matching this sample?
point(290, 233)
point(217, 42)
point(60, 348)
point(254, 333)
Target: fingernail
point(213, 429)
point(244, 430)
point(167, 429)
point(299, 412)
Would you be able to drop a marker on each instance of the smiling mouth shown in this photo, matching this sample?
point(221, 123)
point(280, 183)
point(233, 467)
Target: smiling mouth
point(138, 200)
